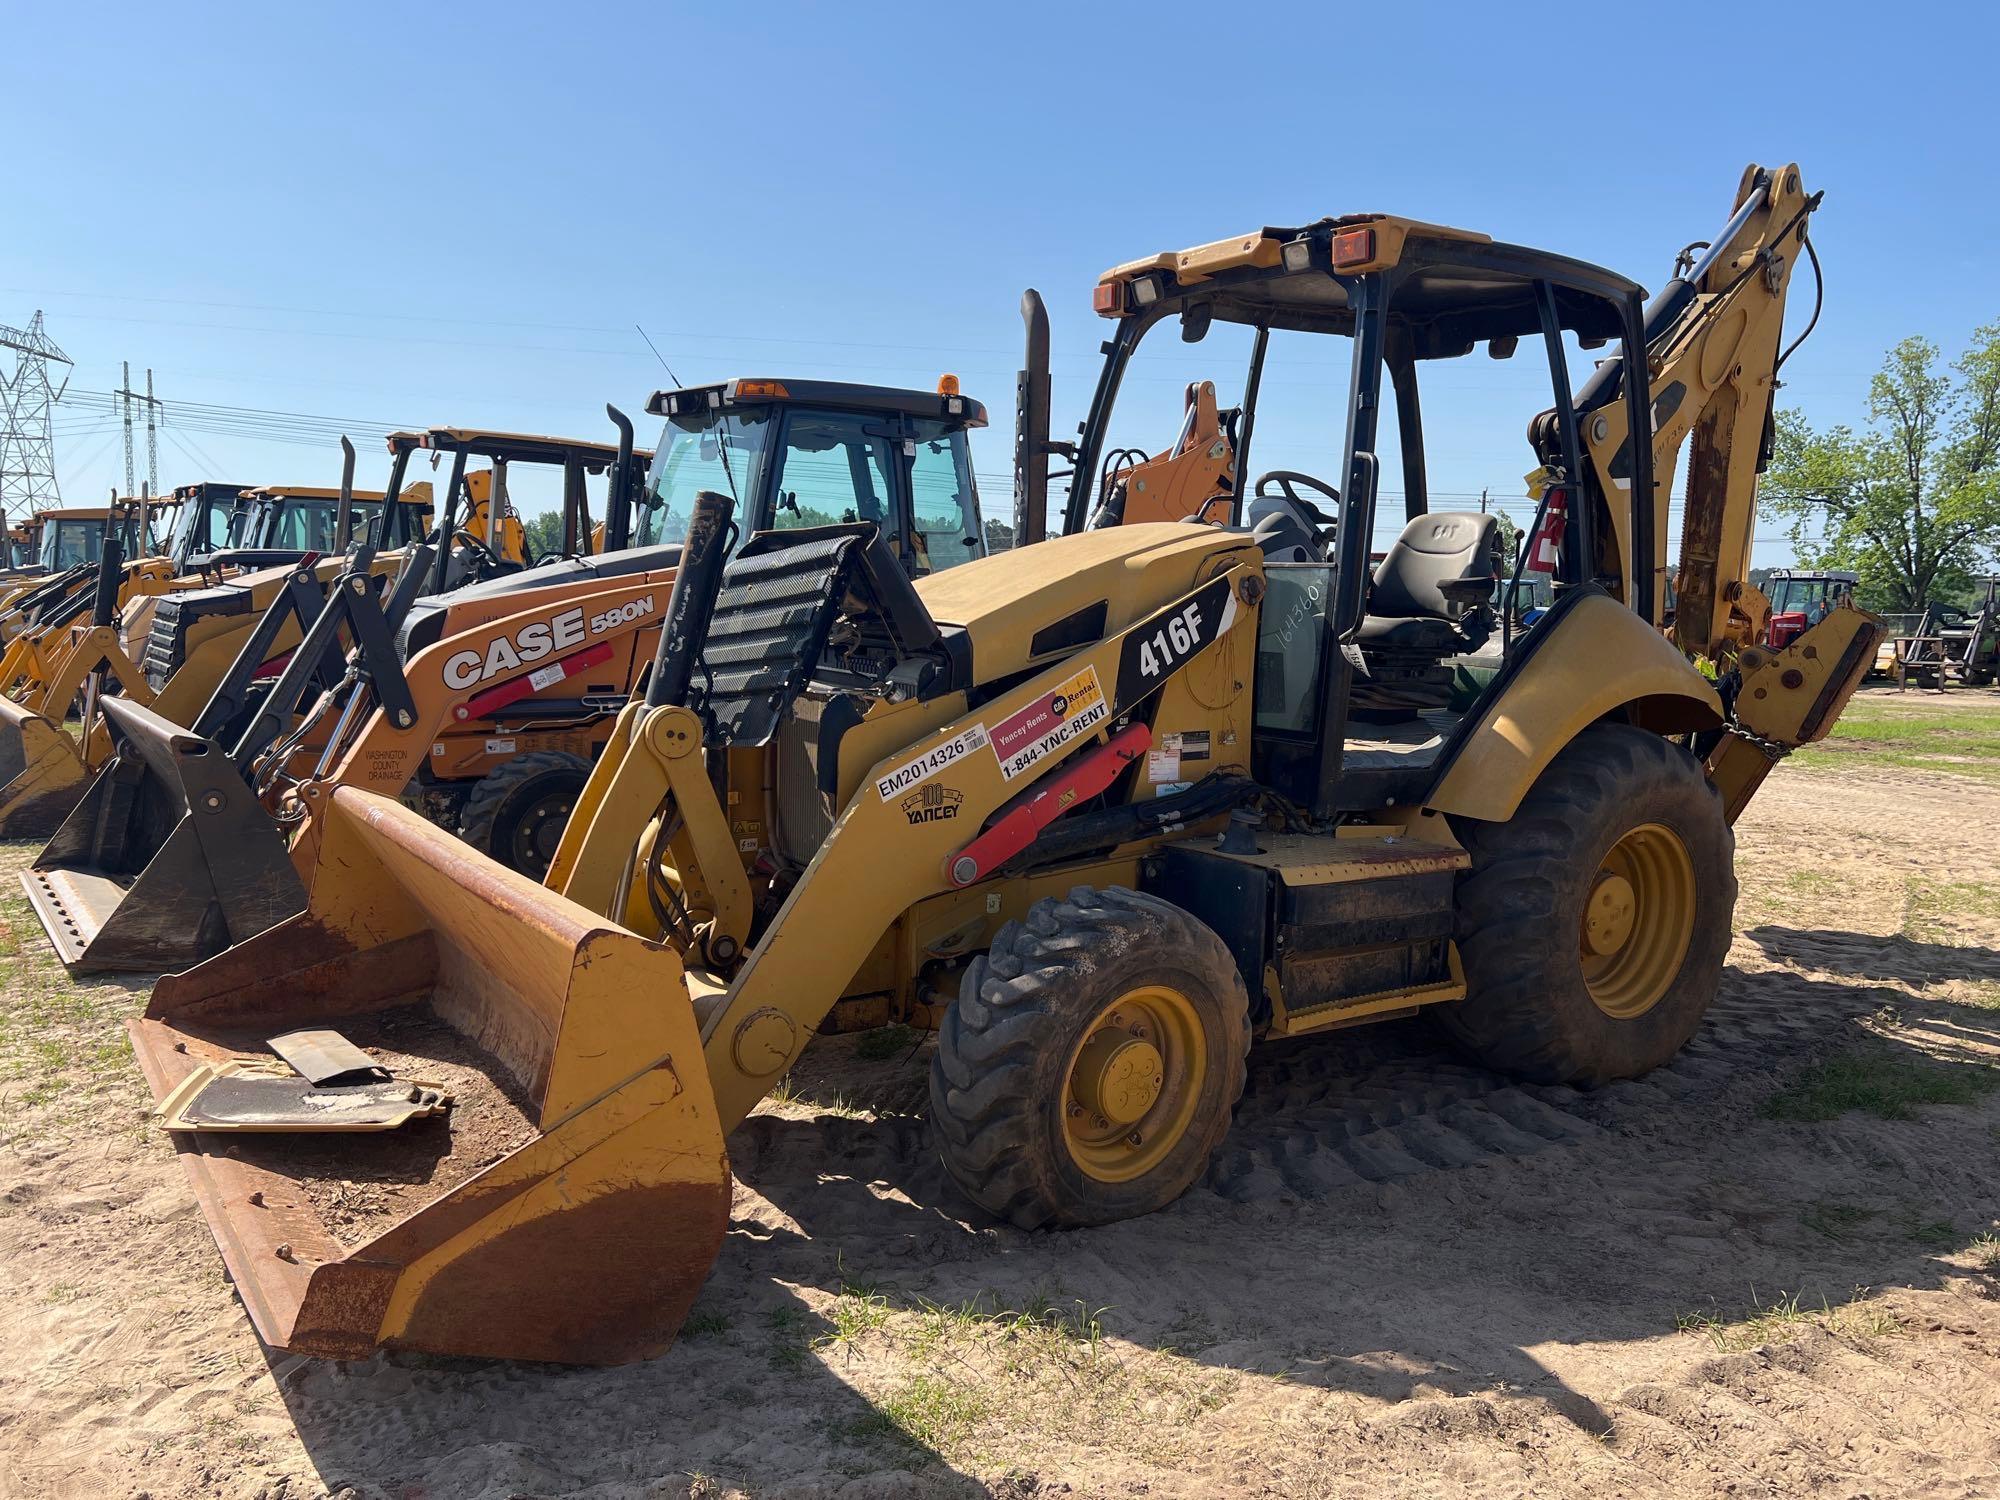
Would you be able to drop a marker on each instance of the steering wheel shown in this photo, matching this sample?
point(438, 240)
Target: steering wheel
point(466, 537)
point(1285, 479)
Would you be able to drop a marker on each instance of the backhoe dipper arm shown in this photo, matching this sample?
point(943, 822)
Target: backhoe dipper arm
point(1712, 336)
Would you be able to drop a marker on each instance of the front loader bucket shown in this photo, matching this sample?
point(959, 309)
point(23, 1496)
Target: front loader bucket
point(41, 773)
point(570, 1203)
point(166, 860)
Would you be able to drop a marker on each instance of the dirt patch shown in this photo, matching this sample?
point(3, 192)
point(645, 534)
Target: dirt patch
point(363, 1183)
point(1771, 1268)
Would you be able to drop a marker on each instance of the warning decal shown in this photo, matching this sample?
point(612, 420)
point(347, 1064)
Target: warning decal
point(1064, 714)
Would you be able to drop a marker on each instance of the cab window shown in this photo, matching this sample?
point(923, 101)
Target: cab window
point(68, 543)
point(712, 450)
point(943, 502)
point(832, 470)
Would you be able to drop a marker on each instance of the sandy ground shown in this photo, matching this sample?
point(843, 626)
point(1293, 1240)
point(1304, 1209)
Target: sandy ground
point(1404, 1275)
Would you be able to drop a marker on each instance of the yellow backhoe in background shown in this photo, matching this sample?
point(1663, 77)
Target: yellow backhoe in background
point(1104, 809)
point(510, 685)
point(99, 622)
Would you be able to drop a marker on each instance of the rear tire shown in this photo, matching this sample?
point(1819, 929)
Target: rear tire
point(1106, 996)
point(1594, 923)
point(517, 812)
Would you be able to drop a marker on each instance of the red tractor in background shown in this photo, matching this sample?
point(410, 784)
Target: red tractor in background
point(1800, 599)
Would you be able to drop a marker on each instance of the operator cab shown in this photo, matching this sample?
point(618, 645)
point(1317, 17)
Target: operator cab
point(1379, 634)
point(288, 519)
point(206, 519)
point(73, 538)
point(801, 454)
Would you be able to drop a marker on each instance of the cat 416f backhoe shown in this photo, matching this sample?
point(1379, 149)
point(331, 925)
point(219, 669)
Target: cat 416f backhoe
point(1106, 807)
point(499, 694)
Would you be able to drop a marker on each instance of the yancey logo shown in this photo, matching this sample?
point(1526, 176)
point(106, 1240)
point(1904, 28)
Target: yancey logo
point(931, 804)
point(531, 643)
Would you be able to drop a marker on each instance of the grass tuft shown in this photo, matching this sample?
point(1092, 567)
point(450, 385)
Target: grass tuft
point(1787, 1319)
point(1839, 1222)
point(1879, 1083)
point(1985, 1252)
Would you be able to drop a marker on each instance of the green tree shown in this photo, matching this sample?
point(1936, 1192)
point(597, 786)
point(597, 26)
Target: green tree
point(1911, 504)
point(544, 534)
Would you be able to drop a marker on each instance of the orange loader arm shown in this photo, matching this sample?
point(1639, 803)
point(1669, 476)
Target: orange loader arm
point(483, 659)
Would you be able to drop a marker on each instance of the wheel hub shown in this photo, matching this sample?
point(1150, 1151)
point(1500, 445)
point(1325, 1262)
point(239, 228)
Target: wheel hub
point(1637, 921)
point(1133, 1082)
point(1608, 916)
point(540, 833)
point(1118, 1076)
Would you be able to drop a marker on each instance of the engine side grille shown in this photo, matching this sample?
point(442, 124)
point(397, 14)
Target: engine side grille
point(770, 623)
point(174, 617)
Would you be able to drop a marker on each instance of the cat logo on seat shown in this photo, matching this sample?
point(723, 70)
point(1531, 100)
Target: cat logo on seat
point(931, 804)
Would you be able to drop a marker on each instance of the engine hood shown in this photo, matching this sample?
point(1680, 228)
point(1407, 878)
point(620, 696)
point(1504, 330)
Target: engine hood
point(1028, 607)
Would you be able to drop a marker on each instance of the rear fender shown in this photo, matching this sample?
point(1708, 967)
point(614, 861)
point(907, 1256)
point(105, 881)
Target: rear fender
point(1597, 660)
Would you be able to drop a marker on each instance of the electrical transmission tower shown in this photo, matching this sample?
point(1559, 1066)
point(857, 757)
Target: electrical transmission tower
point(127, 397)
point(27, 433)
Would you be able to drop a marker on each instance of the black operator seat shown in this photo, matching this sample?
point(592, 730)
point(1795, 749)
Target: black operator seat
point(1431, 598)
point(1433, 590)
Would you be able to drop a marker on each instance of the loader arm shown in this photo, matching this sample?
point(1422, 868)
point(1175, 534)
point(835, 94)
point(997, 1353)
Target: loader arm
point(447, 680)
point(881, 857)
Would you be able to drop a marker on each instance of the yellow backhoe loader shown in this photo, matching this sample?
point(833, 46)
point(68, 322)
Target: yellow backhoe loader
point(70, 543)
point(1106, 808)
point(167, 856)
point(98, 624)
point(512, 684)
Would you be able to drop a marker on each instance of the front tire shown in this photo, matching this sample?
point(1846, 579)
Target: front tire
point(1089, 1068)
point(1594, 923)
point(516, 814)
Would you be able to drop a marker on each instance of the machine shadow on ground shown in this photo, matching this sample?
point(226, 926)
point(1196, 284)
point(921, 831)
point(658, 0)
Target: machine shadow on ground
point(1474, 1243)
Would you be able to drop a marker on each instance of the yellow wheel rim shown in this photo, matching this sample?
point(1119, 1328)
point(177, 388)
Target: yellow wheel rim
point(1637, 922)
point(1132, 1084)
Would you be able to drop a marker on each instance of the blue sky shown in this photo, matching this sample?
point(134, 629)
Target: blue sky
point(354, 212)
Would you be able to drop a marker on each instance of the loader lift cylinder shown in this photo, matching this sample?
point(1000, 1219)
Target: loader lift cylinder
point(692, 603)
